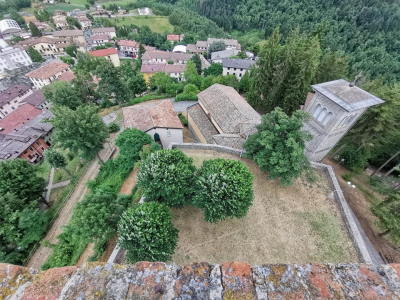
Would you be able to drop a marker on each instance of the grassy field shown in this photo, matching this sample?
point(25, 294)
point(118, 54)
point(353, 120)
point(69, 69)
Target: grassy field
point(118, 2)
point(296, 224)
point(156, 23)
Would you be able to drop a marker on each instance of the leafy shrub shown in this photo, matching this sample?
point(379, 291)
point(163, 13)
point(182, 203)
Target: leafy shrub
point(167, 176)
point(388, 212)
point(354, 159)
point(186, 97)
point(224, 188)
point(113, 127)
point(346, 177)
point(147, 233)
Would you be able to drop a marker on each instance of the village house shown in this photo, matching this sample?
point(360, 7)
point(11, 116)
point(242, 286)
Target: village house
point(43, 26)
point(157, 118)
point(128, 48)
point(111, 54)
point(110, 31)
point(237, 67)
point(29, 136)
point(174, 71)
point(100, 40)
point(76, 36)
point(47, 74)
point(60, 21)
point(222, 117)
point(175, 37)
point(9, 27)
point(47, 46)
point(198, 48)
point(12, 57)
point(229, 43)
point(36, 99)
point(84, 21)
point(12, 97)
point(334, 107)
point(165, 57)
point(218, 56)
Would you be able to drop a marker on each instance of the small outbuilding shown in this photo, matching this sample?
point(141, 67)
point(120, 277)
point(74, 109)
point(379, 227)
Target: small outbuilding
point(157, 118)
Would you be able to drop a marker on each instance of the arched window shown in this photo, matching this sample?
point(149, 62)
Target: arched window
point(327, 118)
point(317, 110)
point(322, 115)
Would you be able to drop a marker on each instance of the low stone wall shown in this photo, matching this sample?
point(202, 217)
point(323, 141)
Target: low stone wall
point(348, 217)
point(230, 280)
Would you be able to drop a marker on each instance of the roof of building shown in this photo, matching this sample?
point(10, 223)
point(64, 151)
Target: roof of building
point(348, 96)
point(37, 40)
point(13, 92)
point(207, 129)
point(48, 70)
point(16, 142)
point(224, 54)
point(18, 117)
point(128, 43)
point(99, 37)
point(151, 114)
point(73, 32)
point(201, 44)
point(158, 54)
point(228, 109)
point(35, 99)
point(179, 49)
point(174, 37)
point(166, 68)
point(67, 76)
point(238, 63)
point(104, 52)
point(103, 29)
point(227, 42)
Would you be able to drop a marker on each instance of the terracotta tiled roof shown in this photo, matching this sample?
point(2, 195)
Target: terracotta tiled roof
point(13, 92)
point(128, 43)
point(174, 37)
point(68, 33)
point(48, 70)
point(35, 99)
point(175, 57)
point(104, 52)
point(67, 76)
point(151, 114)
point(103, 29)
point(166, 68)
point(18, 117)
point(100, 37)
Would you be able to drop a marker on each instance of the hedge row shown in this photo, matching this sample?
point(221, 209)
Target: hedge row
point(96, 217)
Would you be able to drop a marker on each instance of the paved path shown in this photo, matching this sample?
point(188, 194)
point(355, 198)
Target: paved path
point(60, 184)
point(181, 106)
point(49, 185)
point(64, 216)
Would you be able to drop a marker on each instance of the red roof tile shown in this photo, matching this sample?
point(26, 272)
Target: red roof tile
point(67, 76)
point(166, 68)
point(104, 52)
point(128, 43)
point(174, 37)
point(48, 70)
point(19, 117)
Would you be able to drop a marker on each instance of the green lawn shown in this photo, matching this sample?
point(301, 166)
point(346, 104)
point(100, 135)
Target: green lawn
point(157, 24)
point(118, 2)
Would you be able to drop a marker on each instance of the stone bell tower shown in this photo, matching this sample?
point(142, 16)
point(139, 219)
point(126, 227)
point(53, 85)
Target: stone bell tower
point(334, 108)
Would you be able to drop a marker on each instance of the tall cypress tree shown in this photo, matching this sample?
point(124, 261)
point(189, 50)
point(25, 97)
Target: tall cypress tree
point(34, 30)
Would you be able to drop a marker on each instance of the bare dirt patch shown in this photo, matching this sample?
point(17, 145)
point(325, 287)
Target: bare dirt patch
point(296, 224)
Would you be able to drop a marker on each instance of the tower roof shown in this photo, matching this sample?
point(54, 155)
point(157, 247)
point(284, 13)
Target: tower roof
point(348, 96)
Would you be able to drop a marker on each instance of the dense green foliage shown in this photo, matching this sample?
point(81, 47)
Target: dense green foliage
point(113, 127)
point(213, 70)
point(147, 233)
point(22, 223)
point(80, 131)
point(284, 72)
point(96, 217)
point(224, 189)
point(388, 212)
point(34, 55)
point(56, 159)
point(34, 30)
point(278, 145)
point(367, 31)
point(63, 93)
point(166, 176)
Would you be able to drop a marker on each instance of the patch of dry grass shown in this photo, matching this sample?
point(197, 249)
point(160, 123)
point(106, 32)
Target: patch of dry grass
point(296, 224)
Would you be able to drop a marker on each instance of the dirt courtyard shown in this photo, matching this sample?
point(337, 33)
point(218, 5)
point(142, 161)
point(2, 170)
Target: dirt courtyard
point(296, 224)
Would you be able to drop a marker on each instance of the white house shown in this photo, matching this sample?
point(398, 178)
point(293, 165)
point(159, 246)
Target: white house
point(237, 67)
point(218, 56)
point(157, 118)
point(9, 27)
point(47, 45)
point(128, 48)
point(47, 74)
point(100, 40)
point(12, 57)
point(110, 31)
point(110, 54)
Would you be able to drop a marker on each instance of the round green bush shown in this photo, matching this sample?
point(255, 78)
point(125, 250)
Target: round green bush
point(167, 176)
point(147, 233)
point(224, 188)
point(113, 127)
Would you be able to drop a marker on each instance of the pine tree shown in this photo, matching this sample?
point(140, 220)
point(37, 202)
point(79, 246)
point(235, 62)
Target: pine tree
point(34, 30)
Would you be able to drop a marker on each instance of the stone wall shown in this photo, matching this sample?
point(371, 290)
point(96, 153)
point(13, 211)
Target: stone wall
point(231, 280)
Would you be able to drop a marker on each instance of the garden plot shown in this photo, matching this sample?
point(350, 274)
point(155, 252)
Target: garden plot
point(296, 224)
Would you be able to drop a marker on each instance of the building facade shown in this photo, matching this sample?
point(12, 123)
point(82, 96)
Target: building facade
point(334, 109)
point(47, 74)
point(12, 97)
point(12, 58)
point(111, 54)
point(9, 27)
point(237, 67)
